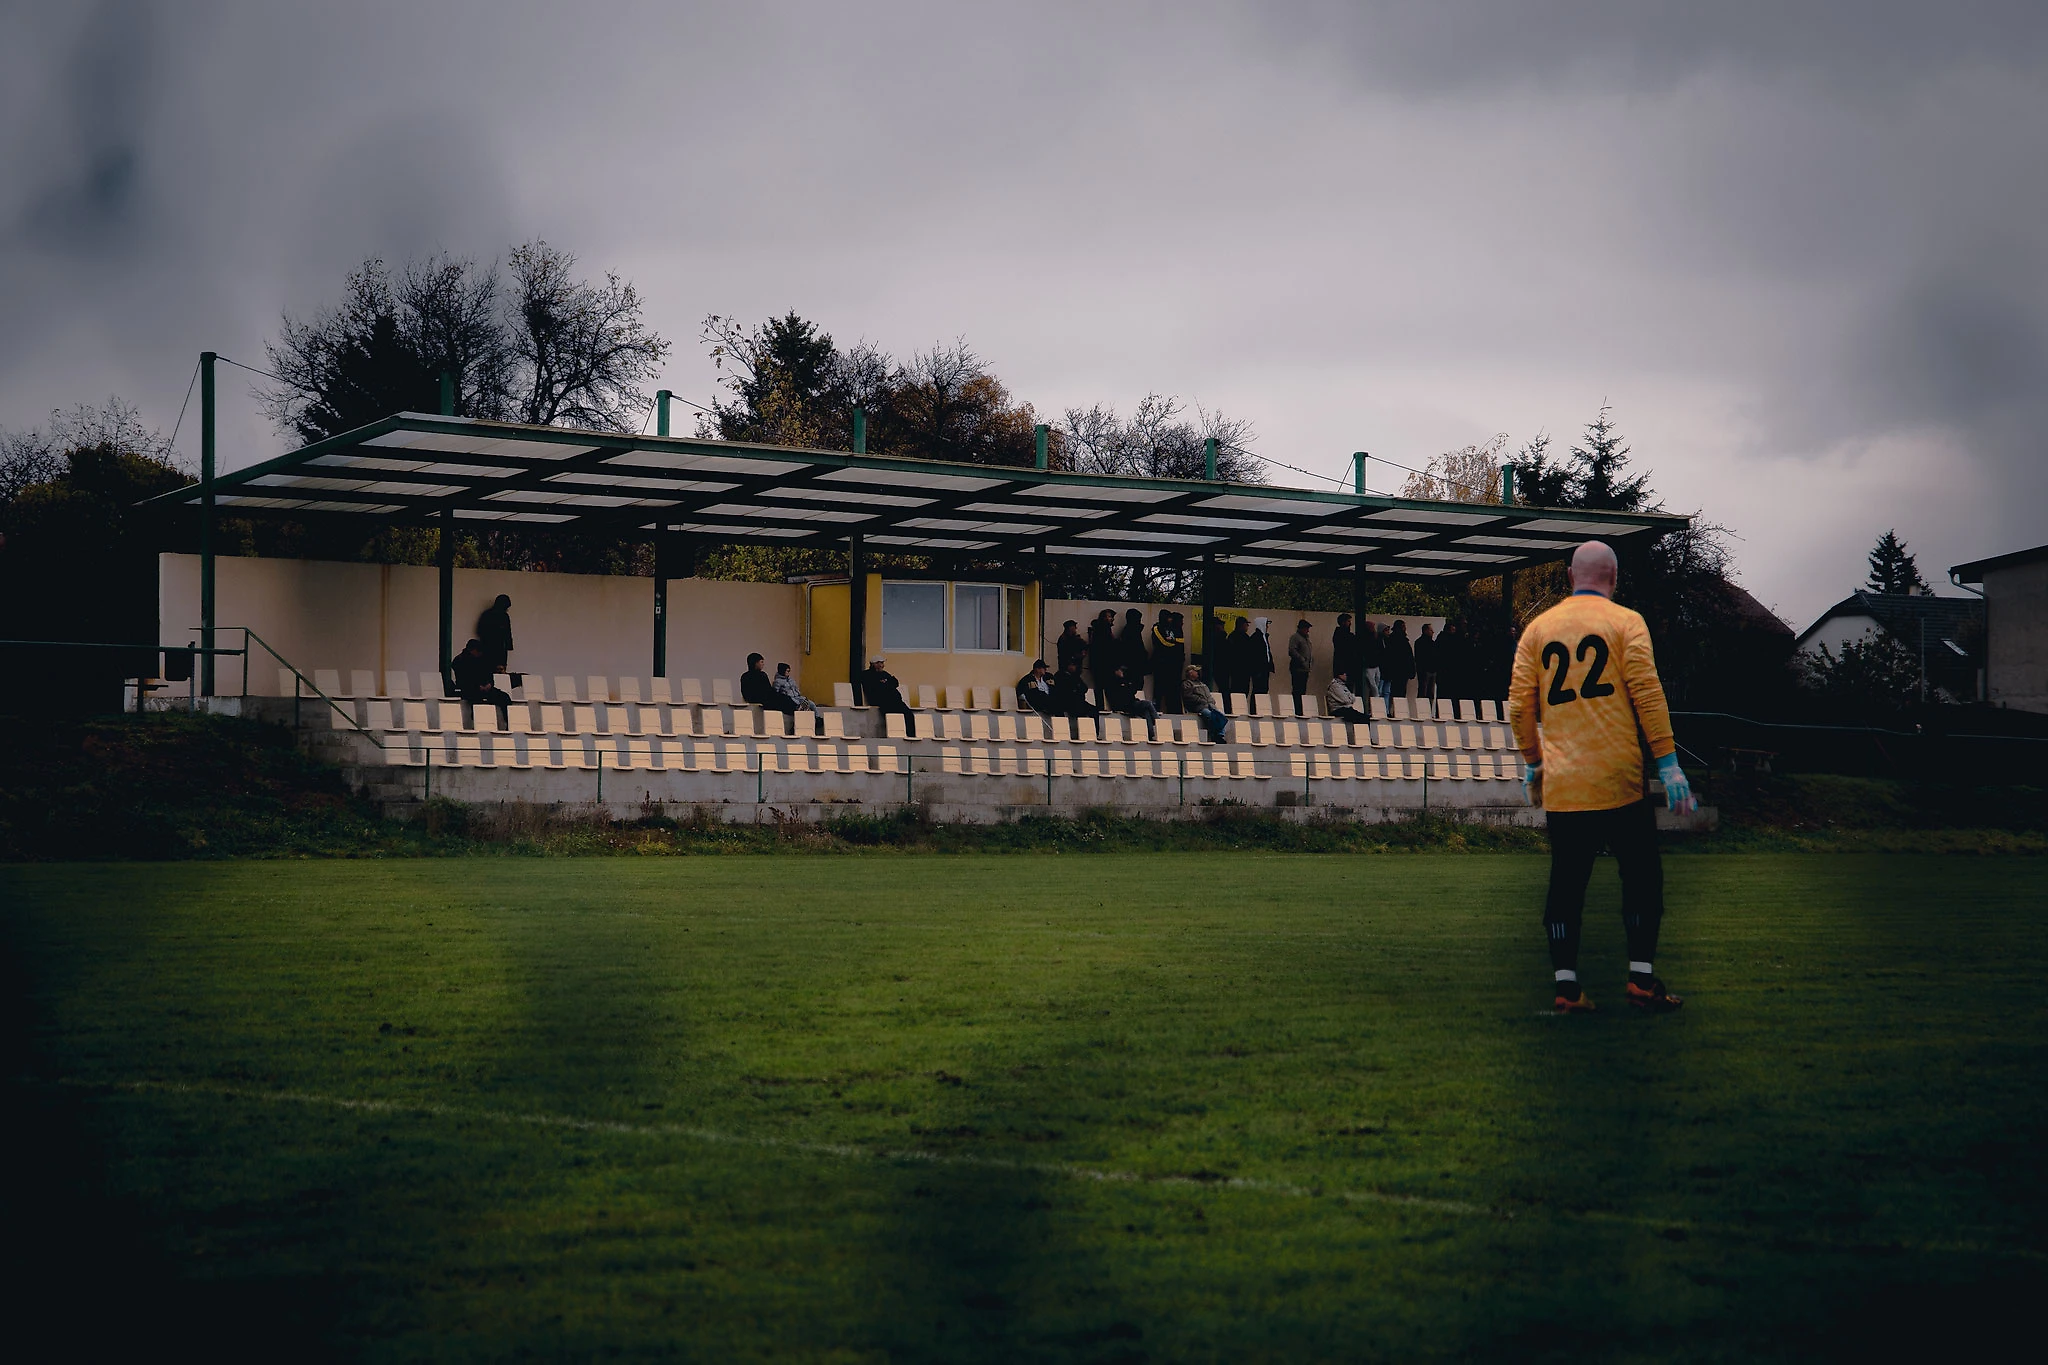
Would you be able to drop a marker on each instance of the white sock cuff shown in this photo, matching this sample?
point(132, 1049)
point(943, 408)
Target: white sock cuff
point(1640, 968)
point(1567, 974)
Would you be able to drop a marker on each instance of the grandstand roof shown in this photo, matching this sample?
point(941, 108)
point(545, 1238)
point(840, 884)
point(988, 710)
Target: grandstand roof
point(409, 468)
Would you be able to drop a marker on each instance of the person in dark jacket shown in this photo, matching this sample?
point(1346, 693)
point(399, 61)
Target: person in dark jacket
point(1201, 703)
point(473, 674)
point(881, 690)
point(1034, 689)
point(1450, 663)
point(1370, 652)
point(1070, 648)
point(494, 632)
point(1169, 660)
point(1237, 651)
point(758, 689)
point(1104, 653)
point(1124, 700)
point(1070, 694)
point(1397, 667)
point(1137, 659)
point(1258, 671)
point(1425, 664)
point(1301, 658)
point(1344, 648)
point(1385, 642)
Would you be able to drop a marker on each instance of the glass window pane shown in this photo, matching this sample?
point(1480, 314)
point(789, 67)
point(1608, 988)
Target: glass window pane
point(977, 617)
point(914, 616)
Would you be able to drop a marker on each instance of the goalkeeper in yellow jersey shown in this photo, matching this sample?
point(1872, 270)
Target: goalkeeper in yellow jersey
point(1585, 702)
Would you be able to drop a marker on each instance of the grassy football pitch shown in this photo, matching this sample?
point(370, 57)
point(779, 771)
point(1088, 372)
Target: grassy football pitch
point(1143, 1107)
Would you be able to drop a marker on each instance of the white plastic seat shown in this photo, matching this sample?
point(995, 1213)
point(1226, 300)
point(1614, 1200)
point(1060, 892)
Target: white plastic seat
point(1319, 766)
point(1297, 765)
point(886, 760)
point(381, 717)
point(983, 698)
point(416, 718)
point(711, 723)
point(362, 682)
point(979, 727)
point(1310, 706)
point(658, 692)
point(1289, 736)
point(948, 725)
point(689, 692)
point(743, 722)
point(1262, 704)
point(949, 760)
point(927, 697)
point(1240, 704)
point(842, 695)
point(1085, 731)
point(597, 688)
point(397, 685)
point(1034, 763)
point(893, 726)
point(721, 691)
point(832, 724)
point(328, 680)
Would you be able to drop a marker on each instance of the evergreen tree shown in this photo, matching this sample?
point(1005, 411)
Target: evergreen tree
point(1600, 479)
point(1893, 571)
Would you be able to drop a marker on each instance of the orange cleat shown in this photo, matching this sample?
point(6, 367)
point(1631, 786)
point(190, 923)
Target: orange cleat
point(1580, 1003)
point(1655, 998)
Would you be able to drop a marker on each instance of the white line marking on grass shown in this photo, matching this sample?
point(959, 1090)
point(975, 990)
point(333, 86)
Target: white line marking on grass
point(837, 1150)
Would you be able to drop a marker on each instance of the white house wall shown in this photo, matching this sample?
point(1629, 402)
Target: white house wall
point(2016, 636)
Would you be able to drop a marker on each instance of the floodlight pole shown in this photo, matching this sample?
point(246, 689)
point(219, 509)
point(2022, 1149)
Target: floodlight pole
point(661, 397)
point(447, 393)
point(675, 556)
point(1358, 472)
point(1043, 436)
point(860, 431)
point(206, 463)
point(1209, 649)
point(1209, 459)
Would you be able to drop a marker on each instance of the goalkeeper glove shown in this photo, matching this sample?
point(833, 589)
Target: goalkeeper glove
point(1532, 782)
point(1677, 791)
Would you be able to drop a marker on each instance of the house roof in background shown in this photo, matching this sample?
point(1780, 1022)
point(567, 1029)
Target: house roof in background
point(410, 468)
point(1900, 615)
point(1974, 571)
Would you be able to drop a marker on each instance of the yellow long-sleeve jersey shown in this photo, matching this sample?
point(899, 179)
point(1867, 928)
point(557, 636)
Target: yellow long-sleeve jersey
point(1585, 673)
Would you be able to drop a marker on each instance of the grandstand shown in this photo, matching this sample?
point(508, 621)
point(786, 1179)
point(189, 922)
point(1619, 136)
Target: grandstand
point(635, 739)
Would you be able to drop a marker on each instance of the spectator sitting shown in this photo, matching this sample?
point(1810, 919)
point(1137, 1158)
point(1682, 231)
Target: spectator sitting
point(879, 686)
point(1201, 703)
point(1034, 690)
point(1124, 699)
point(1070, 693)
point(473, 674)
point(785, 687)
point(1341, 702)
point(756, 690)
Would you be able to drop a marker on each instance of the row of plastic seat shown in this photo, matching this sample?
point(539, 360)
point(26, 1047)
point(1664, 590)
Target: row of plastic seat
point(710, 722)
point(629, 754)
point(402, 686)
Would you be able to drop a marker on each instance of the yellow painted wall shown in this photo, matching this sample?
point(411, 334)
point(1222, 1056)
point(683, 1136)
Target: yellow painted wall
point(826, 662)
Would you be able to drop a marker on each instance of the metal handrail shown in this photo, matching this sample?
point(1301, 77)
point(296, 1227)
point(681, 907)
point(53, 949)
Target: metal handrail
point(302, 681)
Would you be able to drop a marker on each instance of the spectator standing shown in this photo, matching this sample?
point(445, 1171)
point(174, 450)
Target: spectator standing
point(1370, 651)
point(1425, 664)
point(1034, 690)
point(881, 690)
point(494, 633)
point(1450, 663)
point(1259, 658)
point(1237, 651)
point(1131, 640)
point(1343, 648)
point(1169, 659)
point(1398, 664)
point(1103, 652)
point(1341, 702)
point(1124, 699)
point(1070, 647)
point(1301, 657)
point(473, 673)
point(785, 686)
point(1201, 703)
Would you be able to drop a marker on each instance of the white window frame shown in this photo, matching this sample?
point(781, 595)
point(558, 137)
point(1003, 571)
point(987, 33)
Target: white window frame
point(945, 616)
point(1001, 590)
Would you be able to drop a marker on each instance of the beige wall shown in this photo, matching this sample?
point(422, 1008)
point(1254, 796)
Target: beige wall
point(2016, 627)
point(321, 614)
point(1058, 611)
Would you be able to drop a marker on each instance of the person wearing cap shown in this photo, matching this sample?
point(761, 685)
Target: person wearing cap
point(879, 686)
point(1301, 658)
point(1201, 703)
point(1124, 700)
point(1104, 653)
point(1034, 689)
point(473, 681)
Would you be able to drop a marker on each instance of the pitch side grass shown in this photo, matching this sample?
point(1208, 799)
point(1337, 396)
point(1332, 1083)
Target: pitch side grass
point(1149, 1106)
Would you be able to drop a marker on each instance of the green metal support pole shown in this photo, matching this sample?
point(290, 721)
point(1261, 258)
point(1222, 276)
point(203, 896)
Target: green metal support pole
point(1507, 578)
point(856, 611)
point(447, 393)
point(860, 431)
point(1358, 472)
point(1209, 459)
point(662, 540)
point(1209, 637)
point(1358, 623)
point(1043, 434)
point(661, 397)
point(444, 558)
point(206, 472)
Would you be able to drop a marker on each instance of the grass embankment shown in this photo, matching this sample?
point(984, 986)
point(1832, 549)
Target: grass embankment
point(1143, 1108)
point(175, 786)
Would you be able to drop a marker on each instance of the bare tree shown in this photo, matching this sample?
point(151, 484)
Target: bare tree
point(583, 351)
point(1471, 474)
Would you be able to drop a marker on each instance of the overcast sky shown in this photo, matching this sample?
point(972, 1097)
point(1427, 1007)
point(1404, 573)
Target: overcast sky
point(1799, 247)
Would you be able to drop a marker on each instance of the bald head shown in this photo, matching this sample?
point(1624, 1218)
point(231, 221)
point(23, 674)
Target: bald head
point(1594, 568)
